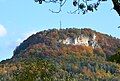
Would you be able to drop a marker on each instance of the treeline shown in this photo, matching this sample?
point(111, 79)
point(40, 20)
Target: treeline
point(51, 37)
point(64, 67)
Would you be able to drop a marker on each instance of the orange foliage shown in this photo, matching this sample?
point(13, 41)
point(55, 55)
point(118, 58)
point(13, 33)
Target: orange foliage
point(87, 71)
point(13, 68)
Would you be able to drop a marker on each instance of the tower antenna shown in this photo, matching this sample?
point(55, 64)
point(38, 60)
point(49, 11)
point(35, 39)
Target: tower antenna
point(60, 24)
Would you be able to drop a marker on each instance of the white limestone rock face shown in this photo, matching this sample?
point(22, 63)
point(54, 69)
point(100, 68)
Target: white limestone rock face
point(82, 40)
point(68, 41)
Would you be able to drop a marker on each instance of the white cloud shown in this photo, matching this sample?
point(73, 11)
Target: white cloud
point(3, 31)
point(12, 44)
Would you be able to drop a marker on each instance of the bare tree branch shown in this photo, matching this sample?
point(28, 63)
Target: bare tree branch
point(81, 5)
point(116, 6)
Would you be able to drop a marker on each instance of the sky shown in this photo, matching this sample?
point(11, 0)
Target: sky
point(21, 18)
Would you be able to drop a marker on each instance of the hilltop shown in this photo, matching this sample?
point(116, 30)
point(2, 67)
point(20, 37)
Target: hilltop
point(69, 37)
point(63, 55)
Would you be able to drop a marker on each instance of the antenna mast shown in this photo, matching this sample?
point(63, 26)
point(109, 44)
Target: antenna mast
point(60, 24)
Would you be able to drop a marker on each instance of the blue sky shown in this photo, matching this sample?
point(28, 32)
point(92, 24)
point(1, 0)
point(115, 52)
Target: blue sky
point(20, 18)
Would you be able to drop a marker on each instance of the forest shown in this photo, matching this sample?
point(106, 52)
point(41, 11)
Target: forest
point(42, 58)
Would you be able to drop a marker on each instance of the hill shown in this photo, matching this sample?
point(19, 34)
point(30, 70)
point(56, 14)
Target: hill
point(54, 38)
point(64, 55)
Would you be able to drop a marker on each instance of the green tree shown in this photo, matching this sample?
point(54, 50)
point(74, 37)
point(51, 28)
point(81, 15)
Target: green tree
point(116, 57)
point(34, 70)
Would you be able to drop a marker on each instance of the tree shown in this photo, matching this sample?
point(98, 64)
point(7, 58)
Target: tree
point(117, 5)
point(34, 70)
point(81, 5)
point(116, 57)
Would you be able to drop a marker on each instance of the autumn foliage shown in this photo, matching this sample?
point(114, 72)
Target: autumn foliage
point(44, 57)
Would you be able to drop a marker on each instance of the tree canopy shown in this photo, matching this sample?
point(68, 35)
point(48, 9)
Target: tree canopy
point(81, 5)
point(115, 57)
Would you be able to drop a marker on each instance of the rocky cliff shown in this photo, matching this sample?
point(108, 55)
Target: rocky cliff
point(82, 40)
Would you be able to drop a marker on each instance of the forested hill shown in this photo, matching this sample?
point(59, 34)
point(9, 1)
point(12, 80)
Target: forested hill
point(64, 55)
point(53, 39)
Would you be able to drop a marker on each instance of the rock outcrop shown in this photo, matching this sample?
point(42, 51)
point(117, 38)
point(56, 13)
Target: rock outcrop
point(82, 40)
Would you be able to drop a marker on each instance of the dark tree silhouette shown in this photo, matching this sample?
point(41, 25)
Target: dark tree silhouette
point(116, 6)
point(81, 5)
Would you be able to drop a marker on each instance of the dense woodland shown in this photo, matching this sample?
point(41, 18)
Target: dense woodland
point(42, 58)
